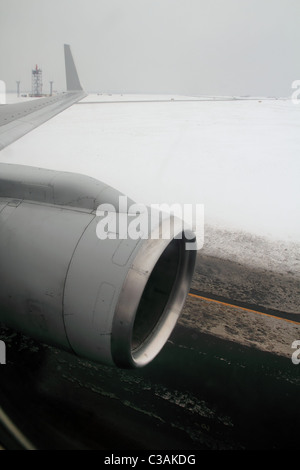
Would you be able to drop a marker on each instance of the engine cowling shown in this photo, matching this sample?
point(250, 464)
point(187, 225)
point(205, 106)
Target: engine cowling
point(114, 301)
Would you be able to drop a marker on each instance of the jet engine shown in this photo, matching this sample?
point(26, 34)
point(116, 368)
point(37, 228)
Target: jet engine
point(114, 300)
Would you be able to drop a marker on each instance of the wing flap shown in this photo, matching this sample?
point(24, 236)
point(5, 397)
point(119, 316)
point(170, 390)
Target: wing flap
point(17, 120)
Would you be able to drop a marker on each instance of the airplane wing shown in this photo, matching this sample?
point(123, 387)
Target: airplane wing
point(113, 300)
point(18, 119)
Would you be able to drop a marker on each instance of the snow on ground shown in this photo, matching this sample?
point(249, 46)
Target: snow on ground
point(240, 158)
point(13, 98)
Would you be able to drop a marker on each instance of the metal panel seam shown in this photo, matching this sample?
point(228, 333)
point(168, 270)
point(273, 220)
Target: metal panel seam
point(63, 296)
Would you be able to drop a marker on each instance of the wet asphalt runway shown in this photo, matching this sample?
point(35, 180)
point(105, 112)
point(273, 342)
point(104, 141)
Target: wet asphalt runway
point(225, 379)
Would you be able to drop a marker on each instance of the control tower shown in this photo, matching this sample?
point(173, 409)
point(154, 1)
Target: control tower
point(37, 82)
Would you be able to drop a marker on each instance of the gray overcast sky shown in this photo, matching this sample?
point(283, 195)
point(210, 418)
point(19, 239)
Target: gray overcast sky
point(192, 47)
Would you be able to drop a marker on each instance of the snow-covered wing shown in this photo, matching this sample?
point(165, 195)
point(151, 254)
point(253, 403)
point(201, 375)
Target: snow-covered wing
point(18, 119)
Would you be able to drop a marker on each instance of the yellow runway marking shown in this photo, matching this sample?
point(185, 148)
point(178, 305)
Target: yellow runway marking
point(242, 308)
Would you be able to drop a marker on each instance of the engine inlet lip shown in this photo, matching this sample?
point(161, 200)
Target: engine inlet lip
point(134, 285)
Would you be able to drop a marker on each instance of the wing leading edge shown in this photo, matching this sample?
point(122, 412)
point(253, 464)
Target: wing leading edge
point(18, 119)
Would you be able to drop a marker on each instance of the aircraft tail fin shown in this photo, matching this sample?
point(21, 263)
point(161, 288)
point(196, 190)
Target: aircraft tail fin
point(73, 83)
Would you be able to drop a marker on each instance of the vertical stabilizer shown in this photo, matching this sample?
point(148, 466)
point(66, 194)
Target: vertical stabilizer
point(73, 83)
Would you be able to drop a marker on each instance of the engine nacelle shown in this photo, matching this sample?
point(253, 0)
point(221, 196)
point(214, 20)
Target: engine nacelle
point(114, 301)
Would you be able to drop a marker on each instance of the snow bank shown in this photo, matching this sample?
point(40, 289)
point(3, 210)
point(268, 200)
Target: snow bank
point(240, 158)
